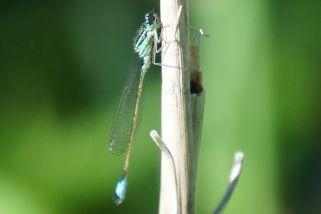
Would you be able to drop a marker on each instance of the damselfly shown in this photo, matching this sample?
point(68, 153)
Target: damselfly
point(124, 125)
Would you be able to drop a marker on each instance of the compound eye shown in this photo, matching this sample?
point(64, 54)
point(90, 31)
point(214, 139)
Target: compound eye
point(150, 18)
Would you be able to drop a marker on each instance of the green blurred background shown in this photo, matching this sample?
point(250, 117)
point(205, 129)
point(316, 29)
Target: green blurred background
point(62, 69)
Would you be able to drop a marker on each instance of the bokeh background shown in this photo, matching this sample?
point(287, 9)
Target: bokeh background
point(62, 69)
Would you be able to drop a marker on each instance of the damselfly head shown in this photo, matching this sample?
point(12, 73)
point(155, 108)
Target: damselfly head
point(152, 20)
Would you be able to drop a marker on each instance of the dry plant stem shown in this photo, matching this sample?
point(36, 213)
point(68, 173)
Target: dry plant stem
point(163, 148)
point(177, 130)
point(233, 180)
